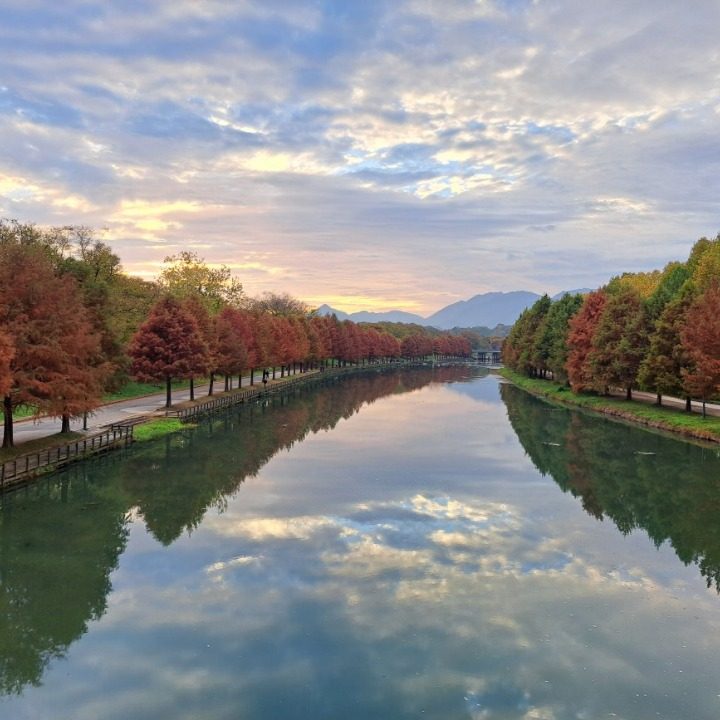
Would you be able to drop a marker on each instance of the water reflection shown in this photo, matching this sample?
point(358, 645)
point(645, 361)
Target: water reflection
point(410, 563)
point(61, 539)
point(55, 567)
point(638, 479)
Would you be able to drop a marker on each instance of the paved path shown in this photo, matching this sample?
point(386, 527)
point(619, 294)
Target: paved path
point(28, 429)
point(25, 430)
point(669, 402)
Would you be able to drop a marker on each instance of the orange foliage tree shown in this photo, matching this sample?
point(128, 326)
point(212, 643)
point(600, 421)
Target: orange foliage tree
point(167, 346)
point(580, 340)
point(55, 364)
point(7, 352)
point(701, 341)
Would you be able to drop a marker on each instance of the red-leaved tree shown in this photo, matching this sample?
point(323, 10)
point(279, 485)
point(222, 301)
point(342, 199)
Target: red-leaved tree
point(168, 346)
point(7, 352)
point(701, 341)
point(232, 343)
point(55, 364)
point(580, 340)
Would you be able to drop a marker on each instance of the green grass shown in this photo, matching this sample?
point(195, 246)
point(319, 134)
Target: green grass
point(664, 418)
point(23, 411)
point(158, 428)
point(134, 389)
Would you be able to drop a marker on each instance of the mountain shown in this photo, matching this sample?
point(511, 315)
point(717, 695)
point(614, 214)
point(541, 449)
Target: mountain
point(392, 316)
point(487, 309)
point(327, 310)
point(579, 291)
point(373, 317)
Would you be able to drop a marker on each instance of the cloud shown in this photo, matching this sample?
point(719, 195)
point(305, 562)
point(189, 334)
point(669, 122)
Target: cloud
point(439, 133)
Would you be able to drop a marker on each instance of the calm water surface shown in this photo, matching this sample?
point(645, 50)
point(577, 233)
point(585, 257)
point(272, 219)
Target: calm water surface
point(417, 545)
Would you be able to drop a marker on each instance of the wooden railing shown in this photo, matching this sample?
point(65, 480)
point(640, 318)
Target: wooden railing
point(236, 397)
point(25, 467)
point(258, 391)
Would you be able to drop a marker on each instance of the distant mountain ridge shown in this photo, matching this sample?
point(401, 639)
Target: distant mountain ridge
point(486, 309)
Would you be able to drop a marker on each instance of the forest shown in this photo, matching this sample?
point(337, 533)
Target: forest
point(656, 331)
point(74, 326)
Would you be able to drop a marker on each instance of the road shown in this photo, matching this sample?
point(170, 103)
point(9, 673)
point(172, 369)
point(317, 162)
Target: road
point(29, 429)
point(669, 402)
point(25, 430)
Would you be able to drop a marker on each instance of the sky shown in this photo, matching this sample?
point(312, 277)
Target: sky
point(371, 154)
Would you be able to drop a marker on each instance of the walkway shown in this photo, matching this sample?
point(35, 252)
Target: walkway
point(668, 401)
point(115, 412)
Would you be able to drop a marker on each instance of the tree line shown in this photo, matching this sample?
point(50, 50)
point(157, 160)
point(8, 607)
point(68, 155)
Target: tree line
point(74, 326)
point(657, 331)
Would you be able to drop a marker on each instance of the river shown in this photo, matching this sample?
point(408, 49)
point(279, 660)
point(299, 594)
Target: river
point(412, 544)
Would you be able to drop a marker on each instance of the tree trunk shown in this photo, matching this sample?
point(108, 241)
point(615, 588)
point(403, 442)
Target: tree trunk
point(688, 404)
point(240, 380)
point(252, 373)
point(65, 425)
point(168, 391)
point(192, 388)
point(273, 372)
point(628, 393)
point(703, 408)
point(212, 382)
point(227, 386)
point(7, 415)
point(659, 399)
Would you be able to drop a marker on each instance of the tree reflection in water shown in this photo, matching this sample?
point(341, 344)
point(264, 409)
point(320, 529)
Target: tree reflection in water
point(638, 479)
point(61, 538)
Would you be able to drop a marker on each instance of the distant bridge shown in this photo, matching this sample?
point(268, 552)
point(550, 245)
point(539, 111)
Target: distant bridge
point(489, 357)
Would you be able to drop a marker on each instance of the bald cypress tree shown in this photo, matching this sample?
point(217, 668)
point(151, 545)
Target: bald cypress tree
point(667, 358)
point(168, 346)
point(52, 353)
point(620, 342)
point(701, 341)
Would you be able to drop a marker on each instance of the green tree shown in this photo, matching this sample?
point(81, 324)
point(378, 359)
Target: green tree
point(130, 300)
point(674, 278)
point(704, 262)
point(620, 342)
point(531, 355)
point(551, 349)
point(189, 275)
point(662, 368)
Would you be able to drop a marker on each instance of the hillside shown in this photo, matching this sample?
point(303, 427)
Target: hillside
point(486, 310)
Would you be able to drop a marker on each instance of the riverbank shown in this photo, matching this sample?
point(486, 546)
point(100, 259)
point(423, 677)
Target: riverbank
point(18, 466)
point(651, 416)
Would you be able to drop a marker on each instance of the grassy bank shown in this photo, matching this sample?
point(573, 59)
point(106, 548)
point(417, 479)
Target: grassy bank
point(158, 428)
point(662, 418)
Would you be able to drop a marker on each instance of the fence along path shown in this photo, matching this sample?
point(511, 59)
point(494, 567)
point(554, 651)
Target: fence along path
point(235, 397)
point(25, 467)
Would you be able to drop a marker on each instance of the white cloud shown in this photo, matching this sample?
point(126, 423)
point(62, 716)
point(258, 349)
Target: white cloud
point(447, 134)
